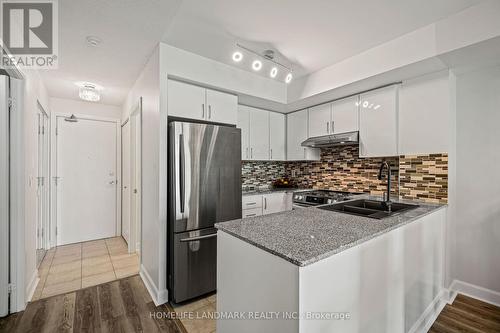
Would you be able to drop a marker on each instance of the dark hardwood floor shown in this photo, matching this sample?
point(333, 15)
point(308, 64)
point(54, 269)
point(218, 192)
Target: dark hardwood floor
point(467, 314)
point(125, 306)
point(118, 306)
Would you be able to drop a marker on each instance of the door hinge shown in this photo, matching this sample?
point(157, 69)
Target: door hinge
point(11, 287)
point(10, 102)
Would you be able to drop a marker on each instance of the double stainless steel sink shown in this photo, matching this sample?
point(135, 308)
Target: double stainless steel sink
point(370, 208)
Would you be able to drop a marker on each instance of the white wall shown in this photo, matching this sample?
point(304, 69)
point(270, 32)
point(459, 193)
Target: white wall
point(153, 248)
point(204, 71)
point(476, 228)
point(70, 106)
point(423, 50)
point(424, 111)
point(35, 92)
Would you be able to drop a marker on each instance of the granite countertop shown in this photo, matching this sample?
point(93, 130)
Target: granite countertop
point(268, 190)
point(305, 236)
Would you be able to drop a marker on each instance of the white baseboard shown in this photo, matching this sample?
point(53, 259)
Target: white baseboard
point(483, 294)
point(424, 323)
point(31, 287)
point(159, 296)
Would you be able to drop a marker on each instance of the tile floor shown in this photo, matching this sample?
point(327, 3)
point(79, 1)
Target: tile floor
point(201, 310)
point(71, 267)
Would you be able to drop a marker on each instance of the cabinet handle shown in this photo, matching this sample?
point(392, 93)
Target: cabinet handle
point(251, 203)
point(304, 153)
point(333, 128)
point(250, 215)
point(271, 153)
point(203, 110)
point(251, 152)
point(265, 203)
point(246, 149)
point(327, 127)
point(209, 111)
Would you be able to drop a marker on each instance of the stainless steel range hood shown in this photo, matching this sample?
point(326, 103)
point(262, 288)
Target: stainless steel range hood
point(349, 138)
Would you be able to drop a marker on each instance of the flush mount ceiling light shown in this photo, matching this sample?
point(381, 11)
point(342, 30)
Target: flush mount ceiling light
point(267, 56)
point(93, 41)
point(237, 56)
point(89, 91)
point(274, 72)
point(256, 65)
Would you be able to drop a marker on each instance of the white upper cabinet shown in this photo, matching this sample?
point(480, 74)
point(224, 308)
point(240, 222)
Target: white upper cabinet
point(297, 132)
point(320, 118)
point(259, 134)
point(221, 107)
point(186, 100)
point(378, 123)
point(345, 115)
point(193, 102)
point(243, 123)
point(276, 136)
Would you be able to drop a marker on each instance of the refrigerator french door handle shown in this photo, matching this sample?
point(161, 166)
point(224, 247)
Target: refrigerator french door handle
point(182, 181)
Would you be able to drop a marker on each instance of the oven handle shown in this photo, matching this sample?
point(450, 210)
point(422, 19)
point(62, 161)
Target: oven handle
point(192, 239)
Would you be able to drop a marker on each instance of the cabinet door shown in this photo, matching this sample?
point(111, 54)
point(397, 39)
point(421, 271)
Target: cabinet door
point(273, 203)
point(378, 123)
point(259, 134)
point(186, 100)
point(345, 115)
point(222, 107)
point(296, 134)
point(243, 123)
point(320, 120)
point(276, 136)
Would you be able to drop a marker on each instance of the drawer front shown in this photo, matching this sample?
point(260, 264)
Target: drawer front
point(251, 201)
point(251, 212)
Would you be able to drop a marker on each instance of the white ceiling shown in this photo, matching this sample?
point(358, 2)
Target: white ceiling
point(129, 29)
point(309, 35)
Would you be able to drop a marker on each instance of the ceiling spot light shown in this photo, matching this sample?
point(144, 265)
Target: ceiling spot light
point(256, 65)
point(237, 56)
point(93, 41)
point(376, 107)
point(274, 72)
point(89, 92)
point(365, 104)
point(289, 78)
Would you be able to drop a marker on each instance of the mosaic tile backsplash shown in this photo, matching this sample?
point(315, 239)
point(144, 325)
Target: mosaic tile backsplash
point(261, 174)
point(418, 177)
point(424, 177)
point(341, 169)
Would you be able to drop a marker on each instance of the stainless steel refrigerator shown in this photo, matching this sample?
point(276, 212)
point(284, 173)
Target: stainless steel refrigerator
point(204, 188)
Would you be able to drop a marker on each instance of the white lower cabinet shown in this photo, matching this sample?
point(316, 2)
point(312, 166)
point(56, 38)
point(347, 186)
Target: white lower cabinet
point(256, 205)
point(276, 202)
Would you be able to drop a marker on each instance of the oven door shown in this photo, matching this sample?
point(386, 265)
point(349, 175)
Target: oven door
point(297, 205)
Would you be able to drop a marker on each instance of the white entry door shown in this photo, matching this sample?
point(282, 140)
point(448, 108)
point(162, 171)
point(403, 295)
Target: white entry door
point(126, 181)
point(86, 180)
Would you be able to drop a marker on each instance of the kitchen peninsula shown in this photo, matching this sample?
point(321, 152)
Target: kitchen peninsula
point(357, 273)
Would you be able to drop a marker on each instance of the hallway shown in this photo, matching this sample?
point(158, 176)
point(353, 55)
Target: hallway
point(76, 266)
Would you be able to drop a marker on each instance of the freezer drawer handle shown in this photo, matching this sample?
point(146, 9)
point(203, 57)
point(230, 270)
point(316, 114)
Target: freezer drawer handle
point(192, 239)
point(181, 171)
